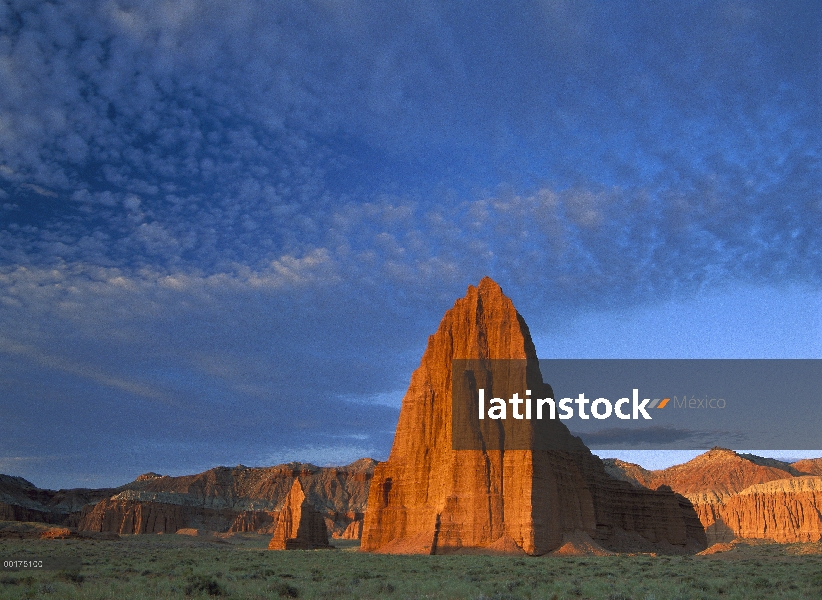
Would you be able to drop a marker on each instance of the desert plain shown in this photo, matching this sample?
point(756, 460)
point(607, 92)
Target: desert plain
point(240, 566)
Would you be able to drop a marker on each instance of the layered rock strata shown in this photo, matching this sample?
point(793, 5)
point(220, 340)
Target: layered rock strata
point(783, 510)
point(430, 498)
point(300, 526)
point(238, 499)
point(20, 500)
point(809, 466)
point(740, 496)
point(222, 499)
point(123, 516)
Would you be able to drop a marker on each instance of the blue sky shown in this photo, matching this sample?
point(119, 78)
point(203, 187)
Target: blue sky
point(227, 228)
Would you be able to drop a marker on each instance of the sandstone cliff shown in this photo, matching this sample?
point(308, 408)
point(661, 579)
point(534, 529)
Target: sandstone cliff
point(223, 499)
point(254, 521)
point(742, 495)
point(720, 473)
point(429, 498)
point(352, 532)
point(122, 515)
point(239, 499)
point(299, 525)
point(630, 472)
point(784, 510)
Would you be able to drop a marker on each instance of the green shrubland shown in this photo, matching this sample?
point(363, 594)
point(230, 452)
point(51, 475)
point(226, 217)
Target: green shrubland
point(179, 567)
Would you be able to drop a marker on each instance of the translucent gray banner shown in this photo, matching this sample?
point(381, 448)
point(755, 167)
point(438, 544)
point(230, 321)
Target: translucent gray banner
point(638, 404)
point(41, 563)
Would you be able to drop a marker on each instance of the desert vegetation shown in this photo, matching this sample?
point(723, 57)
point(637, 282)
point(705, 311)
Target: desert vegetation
point(173, 566)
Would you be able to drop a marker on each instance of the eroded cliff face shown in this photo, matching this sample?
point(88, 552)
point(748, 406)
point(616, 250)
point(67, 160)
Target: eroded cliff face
point(254, 521)
point(123, 516)
point(222, 499)
point(718, 474)
point(429, 498)
point(238, 499)
point(742, 495)
point(352, 532)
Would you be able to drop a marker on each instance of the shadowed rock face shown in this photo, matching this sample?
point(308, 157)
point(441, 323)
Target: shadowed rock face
point(20, 500)
point(254, 521)
point(299, 526)
point(352, 532)
point(429, 498)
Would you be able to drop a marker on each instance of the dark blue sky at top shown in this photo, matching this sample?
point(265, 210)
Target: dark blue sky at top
point(227, 228)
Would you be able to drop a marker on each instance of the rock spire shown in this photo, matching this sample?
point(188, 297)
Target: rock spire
point(430, 498)
point(300, 526)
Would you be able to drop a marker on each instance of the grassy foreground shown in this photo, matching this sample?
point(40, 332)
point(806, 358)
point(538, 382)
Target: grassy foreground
point(174, 566)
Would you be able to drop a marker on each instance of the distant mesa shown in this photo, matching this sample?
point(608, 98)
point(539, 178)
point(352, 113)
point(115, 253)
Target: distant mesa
point(711, 476)
point(428, 498)
point(20, 500)
point(300, 526)
point(231, 500)
point(809, 466)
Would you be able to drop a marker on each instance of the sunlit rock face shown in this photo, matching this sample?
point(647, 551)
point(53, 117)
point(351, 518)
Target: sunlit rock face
point(430, 498)
point(783, 510)
point(743, 495)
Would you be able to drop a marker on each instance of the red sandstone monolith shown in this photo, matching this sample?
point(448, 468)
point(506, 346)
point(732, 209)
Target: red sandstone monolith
point(430, 498)
point(300, 526)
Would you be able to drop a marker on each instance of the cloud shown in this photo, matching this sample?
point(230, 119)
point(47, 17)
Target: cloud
point(221, 201)
point(88, 372)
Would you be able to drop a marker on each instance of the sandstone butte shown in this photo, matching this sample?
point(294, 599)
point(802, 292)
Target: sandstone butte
point(740, 496)
point(299, 525)
point(429, 498)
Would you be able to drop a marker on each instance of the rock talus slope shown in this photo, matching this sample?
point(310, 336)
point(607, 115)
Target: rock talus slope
point(429, 498)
